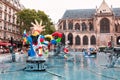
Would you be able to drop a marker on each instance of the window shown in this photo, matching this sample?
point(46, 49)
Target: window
point(5, 26)
point(60, 27)
point(0, 24)
point(93, 40)
point(6, 8)
point(5, 17)
point(9, 18)
point(9, 10)
point(117, 27)
point(91, 28)
point(70, 25)
point(70, 38)
point(84, 27)
point(0, 14)
point(77, 40)
point(104, 26)
point(85, 40)
point(77, 26)
point(63, 39)
point(64, 25)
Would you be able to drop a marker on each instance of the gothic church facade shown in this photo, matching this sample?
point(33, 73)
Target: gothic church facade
point(85, 28)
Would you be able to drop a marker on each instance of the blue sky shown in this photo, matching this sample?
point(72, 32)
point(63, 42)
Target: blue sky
point(56, 8)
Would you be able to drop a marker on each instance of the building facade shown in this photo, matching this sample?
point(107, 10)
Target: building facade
point(85, 28)
point(8, 24)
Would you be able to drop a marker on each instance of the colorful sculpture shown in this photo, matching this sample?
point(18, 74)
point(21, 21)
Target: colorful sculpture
point(37, 41)
point(38, 45)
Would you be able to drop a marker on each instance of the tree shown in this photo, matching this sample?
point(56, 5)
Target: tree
point(26, 16)
point(49, 27)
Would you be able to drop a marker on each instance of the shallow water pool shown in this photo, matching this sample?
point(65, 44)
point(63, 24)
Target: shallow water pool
point(80, 68)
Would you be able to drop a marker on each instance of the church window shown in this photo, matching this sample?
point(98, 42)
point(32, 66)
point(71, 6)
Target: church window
point(70, 25)
point(64, 25)
point(63, 39)
point(118, 28)
point(93, 40)
point(77, 40)
point(60, 27)
point(70, 38)
point(104, 26)
point(91, 28)
point(84, 27)
point(77, 26)
point(85, 40)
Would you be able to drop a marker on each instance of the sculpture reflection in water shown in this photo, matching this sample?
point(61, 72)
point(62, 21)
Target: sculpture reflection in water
point(63, 51)
point(113, 56)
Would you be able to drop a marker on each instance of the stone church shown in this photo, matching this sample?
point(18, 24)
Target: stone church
point(85, 28)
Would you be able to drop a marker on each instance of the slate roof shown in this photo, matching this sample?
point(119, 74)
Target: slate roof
point(85, 13)
point(17, 2)
point(116, 12)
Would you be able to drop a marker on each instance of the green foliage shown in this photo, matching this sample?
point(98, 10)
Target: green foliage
point(26, 16)
point(49, 29)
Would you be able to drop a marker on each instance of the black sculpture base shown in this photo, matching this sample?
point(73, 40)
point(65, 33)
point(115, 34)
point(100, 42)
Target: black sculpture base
point(35, 64)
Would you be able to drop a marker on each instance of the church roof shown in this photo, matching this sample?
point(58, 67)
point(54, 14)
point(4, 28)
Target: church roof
point(85, 13)
point(116, 12)
point(79, 13)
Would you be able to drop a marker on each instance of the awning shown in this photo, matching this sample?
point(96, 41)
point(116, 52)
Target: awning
point(5, 44)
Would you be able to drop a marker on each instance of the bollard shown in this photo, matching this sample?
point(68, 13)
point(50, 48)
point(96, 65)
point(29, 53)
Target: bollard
point(13, 57)
point(12, 53)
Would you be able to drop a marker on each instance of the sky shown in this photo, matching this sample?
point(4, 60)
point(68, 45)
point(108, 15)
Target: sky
point(56, 8)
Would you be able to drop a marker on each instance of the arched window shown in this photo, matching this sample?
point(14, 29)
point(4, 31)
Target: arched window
point(64, 25)
point(91, 28)
point(77, 26)
point(60, 27)
point(84, 27)
point(85, 40)
point(77, 40)
point(92, 40)
point(118, 40)
point(70, 25)
point(105, 26)
point(70, 38)
point(63, 39)
point(116, 28)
